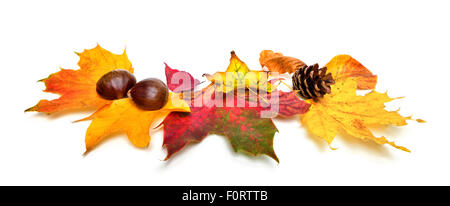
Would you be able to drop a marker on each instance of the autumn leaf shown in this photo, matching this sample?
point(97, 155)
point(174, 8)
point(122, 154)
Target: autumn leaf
point(284, 104)
point(290, 104)
point(122, 116)
point(237, 76)
point(344, 66)
point(242, 125)
point(179, 81)
point(78, 87)
point(277, 62)
point(343, 111)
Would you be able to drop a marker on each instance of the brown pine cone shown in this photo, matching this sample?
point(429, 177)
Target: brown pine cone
point(312, 82)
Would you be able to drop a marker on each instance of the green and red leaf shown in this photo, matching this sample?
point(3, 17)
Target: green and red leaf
point(242, 125)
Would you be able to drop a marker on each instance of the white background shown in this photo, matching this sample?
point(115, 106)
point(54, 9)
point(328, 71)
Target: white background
point(406, 43)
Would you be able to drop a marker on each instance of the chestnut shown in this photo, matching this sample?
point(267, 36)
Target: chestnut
point(149, 94)
point(115, 84)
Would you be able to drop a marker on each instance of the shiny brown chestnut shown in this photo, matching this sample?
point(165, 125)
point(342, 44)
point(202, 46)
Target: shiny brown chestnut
point(149, 94)
point(115, 84)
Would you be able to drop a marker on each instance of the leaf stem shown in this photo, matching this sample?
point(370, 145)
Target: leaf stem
point(286, 85)
point(258, 96)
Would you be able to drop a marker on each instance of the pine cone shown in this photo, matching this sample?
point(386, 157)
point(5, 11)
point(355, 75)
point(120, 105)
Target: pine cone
point(312, 82)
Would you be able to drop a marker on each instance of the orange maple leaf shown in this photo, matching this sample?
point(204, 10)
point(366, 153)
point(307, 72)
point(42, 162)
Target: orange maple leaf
point(345, 66)
point(123, 116)
point(77, 87)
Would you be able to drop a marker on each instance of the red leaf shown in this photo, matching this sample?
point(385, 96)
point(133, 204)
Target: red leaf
point(242, 125)
point(290, 104)
point(285, 104)
point(178, 81)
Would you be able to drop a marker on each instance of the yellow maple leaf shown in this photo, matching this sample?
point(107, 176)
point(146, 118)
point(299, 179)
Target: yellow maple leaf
point(122, 116)
point(345, 111)
point(238, 75)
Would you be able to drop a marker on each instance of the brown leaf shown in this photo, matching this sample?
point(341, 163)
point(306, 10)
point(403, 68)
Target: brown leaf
point(277, 62)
